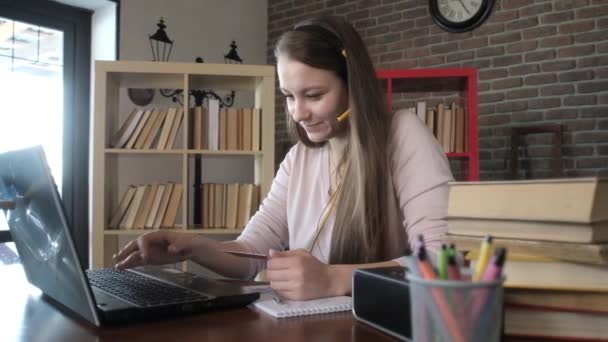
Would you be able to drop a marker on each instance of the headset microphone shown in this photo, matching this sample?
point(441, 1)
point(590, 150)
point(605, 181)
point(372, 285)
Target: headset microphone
point(344, 115)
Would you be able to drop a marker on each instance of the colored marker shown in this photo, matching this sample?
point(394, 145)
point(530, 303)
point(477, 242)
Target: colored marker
point(494, 269)
point(453, 268)
point(442, 262)
point(484, 257)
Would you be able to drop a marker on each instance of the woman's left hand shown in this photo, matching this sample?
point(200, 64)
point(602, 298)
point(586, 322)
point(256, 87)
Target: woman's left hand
point(297, 275)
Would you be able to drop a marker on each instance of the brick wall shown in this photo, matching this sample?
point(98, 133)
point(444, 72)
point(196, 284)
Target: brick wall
point(539, 62)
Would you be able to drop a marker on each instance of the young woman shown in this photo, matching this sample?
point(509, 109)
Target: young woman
point(356, 190)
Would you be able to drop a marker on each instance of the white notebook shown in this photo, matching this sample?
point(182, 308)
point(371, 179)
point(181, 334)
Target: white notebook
point(290, 308)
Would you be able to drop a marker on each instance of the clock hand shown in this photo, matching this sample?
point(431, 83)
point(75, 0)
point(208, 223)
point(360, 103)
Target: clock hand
point(463, 6)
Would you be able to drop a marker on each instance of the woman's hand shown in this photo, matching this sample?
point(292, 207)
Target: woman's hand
point(155, 248)
point(297, 275)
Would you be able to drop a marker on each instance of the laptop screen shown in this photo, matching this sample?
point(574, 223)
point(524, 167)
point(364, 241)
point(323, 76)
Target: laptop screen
point(40, 231)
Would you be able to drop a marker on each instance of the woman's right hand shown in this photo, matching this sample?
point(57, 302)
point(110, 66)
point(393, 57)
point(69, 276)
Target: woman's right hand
point(155, 248)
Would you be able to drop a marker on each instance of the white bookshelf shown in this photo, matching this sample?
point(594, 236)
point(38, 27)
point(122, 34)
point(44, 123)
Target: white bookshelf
point(114, 169)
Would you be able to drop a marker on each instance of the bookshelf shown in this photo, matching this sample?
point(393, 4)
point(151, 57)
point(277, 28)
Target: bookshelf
point(420, 84)
point(114, 169)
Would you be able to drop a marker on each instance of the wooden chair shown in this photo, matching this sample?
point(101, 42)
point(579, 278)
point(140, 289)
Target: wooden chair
point(517, 133)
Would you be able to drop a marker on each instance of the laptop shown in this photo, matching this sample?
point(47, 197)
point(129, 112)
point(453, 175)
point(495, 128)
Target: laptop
point(45, 245)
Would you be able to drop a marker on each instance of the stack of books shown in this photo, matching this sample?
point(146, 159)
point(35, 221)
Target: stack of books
point(557, 235)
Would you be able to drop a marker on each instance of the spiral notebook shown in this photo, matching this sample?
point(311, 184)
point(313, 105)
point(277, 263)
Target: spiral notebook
point(290, 308)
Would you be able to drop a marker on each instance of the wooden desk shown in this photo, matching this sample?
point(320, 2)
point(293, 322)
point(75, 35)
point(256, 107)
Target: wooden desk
point(26, 316)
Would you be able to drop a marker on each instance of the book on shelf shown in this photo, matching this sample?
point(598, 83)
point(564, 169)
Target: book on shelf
point(173, 205)
point(223, 129)
point(146, 130)
point(144, 208)
point(166, 129)
point(596, 232)
point(127, 128)
point(232, 202)
point(231, 129)
point(140, 126)
point(213, 125)
point(578, 252)
point(582, 200)
point(197, 127)
point(543, 323)
point(247, 128)
point(129, 217)
point(162, 207)
point(120, 211)
point(154, 131)
point(576, 301)
point(205, 206)
point(155, 206)
point(177, 123)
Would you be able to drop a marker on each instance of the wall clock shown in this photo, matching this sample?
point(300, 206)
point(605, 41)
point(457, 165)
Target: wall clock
point(460, 15)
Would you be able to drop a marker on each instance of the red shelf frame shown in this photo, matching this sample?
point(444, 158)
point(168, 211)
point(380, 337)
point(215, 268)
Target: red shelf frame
point(470, 75)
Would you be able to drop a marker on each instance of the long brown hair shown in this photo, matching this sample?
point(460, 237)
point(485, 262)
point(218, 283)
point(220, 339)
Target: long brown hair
point(361, 203)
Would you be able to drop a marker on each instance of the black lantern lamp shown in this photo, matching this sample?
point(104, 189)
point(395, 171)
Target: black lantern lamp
point(160, 43)
point(232, 57)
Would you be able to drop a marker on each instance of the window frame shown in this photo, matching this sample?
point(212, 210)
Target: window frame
point(76, 26)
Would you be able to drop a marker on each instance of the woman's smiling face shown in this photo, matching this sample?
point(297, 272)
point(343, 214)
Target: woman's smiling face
point(314, 97)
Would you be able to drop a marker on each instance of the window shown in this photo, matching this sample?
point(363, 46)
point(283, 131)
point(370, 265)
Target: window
point(45, 61)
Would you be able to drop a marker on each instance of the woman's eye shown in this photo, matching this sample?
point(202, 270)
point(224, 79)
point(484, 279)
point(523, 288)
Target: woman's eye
point(314, 96)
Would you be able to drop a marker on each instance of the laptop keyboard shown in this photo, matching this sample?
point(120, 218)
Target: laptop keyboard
point(138, 289)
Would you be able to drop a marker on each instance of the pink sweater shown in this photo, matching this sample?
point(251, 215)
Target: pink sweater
point(417, 194)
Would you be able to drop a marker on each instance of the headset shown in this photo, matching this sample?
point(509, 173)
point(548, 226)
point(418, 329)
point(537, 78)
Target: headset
point(343, 116)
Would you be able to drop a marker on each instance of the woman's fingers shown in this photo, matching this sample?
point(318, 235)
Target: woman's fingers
point(133, 260)
point(131, 247)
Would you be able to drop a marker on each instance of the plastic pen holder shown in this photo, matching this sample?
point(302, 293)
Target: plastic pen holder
point(459, 311)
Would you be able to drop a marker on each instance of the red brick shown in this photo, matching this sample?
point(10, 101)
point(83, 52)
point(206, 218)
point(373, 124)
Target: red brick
point(460, 56)
point(540, 32)
point(591, 37)
point(392, 56)
point(592, 61)
point(479, 63)
point(416, 53)
point(507, 60)
point(378, 30)
point(491, 97)
point(591, 12)
point(504, 16)
point(508, 37)
point(561, 114)
point(511, 106)
point(521, 24)
point(592, 87)
point(474, 43)
point(576, 51)
point(434, 60)
point(444, 48)
point(544, 103)
point(490, 51)
point(540, 79)
point(486, 109)
point(602, 48)
point(489, 28)
point(559, 89)
point(570, 4)
point(376, 12)
point(579, 26)
point(493, 74)
point(576, 151)
point(556, 41)
point(428, 40)
point(558, 65)
point(580, 100)
point(574, 76)
point(524, 69)
point(603, 125)
point(602, 150)
point(601, 73)
point(507, 83)
point(492, 120)
point(361, 14)
point(592, 163)
point(364, 23)
point(522, 93)
point(539, 56)
point(514, 4)
point(556, 17)
point(535, 10)
point(522, 46)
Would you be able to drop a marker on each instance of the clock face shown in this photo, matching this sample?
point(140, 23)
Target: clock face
point(459, 11)
point(460, 15)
